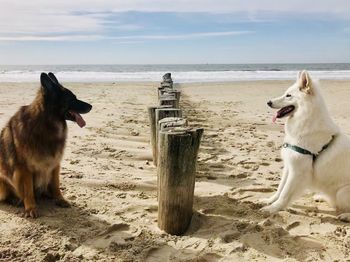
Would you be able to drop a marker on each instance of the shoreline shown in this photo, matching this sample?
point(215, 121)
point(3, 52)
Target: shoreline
point(156, 83)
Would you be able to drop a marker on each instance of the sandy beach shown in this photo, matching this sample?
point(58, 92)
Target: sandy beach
point(108, 176)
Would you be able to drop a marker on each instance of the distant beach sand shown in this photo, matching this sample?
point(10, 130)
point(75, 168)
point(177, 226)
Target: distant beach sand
point(108, 176)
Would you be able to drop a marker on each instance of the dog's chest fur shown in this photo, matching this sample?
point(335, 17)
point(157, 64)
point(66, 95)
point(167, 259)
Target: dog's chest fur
point(42, 169)
point(43, 166)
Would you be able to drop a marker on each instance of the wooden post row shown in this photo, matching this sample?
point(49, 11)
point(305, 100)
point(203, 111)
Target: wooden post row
point(175, 149)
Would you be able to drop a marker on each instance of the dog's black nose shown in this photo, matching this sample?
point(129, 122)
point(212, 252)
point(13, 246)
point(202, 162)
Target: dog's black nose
point(269, 103)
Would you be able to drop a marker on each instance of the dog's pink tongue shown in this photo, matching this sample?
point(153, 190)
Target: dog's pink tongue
point(80, 121)
point(274, 118)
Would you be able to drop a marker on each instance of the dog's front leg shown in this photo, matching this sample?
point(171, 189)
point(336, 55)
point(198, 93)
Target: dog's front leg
point(281, 185)
point(23, 181)
point(298, 179)
point(55, 190)
point(288, 192)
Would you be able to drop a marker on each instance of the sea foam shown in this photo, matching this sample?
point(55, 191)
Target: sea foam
point(179, 76)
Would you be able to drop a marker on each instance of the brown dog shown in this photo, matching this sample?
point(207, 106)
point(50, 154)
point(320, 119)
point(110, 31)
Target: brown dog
point(32, 145)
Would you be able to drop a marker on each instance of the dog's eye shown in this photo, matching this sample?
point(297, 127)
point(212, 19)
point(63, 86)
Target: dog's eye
point(288, 95)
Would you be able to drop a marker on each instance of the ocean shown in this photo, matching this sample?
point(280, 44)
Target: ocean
point(180, 73)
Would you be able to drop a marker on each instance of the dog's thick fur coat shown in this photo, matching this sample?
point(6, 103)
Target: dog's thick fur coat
point(32, 145)
point(310, 126)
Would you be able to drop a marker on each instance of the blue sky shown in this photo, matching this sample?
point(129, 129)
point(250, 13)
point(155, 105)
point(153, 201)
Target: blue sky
point(163, 31)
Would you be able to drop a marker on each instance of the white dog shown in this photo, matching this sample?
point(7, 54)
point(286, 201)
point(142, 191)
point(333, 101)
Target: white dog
point(316, 154)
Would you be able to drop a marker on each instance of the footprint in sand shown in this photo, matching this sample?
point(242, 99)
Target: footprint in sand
point(230, 236)
point(115, 227)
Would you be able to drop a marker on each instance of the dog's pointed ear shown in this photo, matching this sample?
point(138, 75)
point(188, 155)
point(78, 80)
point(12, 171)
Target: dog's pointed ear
point(299, 74)
point(48, 86)
point(53, 78)
point(305, 82)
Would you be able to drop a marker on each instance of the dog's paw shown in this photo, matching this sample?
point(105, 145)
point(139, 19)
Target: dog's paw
point(319, 198)
point(345, 217)
point(61, 202)
point(270, 209)
point(31, 213)
point(268, 200)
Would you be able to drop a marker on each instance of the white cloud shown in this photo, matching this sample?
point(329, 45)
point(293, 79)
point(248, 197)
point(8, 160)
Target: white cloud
point(51, 38)
point(27, 21)
point(183, 36)
point(40, 18)
point(124, 39)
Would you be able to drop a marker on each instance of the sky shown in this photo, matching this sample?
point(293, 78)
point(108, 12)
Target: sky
point(174, 31)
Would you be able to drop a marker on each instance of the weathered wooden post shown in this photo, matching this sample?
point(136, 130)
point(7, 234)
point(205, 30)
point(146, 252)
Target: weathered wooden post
point(153, 128)
point(167, 95)
point(167, 77)
point(166, 124)
point(171, 122)
point(169, 100)
point(167, 81)
point(176, 172)
point(162, 90)
point(177, 96)
point(170, 92)
point(167, 84)
point(160, 113)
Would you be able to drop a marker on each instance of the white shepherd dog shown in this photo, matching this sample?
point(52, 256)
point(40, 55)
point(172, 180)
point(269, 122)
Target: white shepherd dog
point(316, 154)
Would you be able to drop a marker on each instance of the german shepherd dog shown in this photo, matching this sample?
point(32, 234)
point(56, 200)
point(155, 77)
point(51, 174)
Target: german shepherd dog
point(32, 145)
